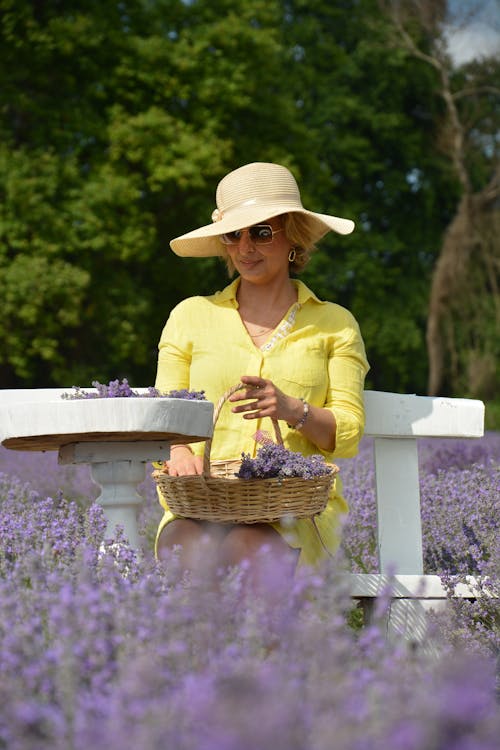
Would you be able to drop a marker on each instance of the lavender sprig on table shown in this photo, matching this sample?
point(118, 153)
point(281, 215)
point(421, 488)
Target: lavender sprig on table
point(189, 395)
point(274, 460)
point(122, 389)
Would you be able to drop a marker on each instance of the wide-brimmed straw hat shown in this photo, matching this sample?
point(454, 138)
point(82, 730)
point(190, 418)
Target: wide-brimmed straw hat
point(250, 195)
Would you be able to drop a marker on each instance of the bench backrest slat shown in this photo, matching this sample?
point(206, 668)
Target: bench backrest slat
point(404, 415)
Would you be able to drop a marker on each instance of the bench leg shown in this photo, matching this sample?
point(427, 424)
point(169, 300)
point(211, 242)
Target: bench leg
point(407, 620)
point(398, 506)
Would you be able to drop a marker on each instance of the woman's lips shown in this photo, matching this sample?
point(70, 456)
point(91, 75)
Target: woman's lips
point(248, 262)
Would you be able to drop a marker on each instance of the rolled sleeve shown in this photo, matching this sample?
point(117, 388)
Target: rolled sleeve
point(174, 354)
point(347, 368)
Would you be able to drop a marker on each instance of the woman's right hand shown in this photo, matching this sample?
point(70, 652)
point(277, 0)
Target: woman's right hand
point(183, 462)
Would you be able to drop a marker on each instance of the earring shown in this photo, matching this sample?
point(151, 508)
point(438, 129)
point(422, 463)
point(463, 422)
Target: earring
point(291, 255)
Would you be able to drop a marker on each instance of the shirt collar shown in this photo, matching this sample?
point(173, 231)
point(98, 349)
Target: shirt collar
point(228, 294)
point(304, 294)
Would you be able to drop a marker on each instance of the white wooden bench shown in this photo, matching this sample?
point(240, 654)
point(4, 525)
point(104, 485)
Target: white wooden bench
point(395, 421)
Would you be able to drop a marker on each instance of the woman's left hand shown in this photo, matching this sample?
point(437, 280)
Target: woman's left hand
point(266, 400)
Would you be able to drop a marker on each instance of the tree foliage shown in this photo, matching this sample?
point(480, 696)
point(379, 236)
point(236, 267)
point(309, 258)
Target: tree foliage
point(373, 120)
point(463, 321)
point(118, 119)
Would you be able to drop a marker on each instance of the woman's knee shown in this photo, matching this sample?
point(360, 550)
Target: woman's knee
point(206, 547)
point(178, 532)
point(250, 543)
point(193, 539)
point(271, 562)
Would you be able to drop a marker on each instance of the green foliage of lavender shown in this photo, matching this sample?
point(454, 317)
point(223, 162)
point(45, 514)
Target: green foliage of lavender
point(101, 648)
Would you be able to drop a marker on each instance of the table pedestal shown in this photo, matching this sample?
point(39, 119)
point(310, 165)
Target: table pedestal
point(117, 468)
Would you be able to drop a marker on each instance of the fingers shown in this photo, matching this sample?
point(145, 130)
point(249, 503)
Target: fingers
point(255, 393)
point(185, 466)
point(262, 404)
point(246, 407)
point(263, 399)
point(251, 409)
point(257, 388)
point(254, 381)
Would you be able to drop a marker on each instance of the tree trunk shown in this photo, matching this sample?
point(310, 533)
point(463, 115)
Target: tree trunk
point(446, 280)
point(466, 273)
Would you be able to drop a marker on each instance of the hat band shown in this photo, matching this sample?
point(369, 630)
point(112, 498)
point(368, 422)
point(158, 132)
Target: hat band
point(284, 198)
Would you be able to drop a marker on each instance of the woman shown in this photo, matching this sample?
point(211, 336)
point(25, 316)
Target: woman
point(302, 361)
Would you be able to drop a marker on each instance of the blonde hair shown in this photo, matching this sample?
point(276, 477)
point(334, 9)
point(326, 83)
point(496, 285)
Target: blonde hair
point(298, 233)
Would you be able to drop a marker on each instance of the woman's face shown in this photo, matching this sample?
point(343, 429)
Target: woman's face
point(261, 263)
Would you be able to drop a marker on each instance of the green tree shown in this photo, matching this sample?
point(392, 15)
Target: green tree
point(116, 122)
point(372, 112)
point(463, 321)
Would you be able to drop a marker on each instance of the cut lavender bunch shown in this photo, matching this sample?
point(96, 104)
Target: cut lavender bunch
point(274, 460)
point(190, 395)
point(114, 389)
point(122, 389)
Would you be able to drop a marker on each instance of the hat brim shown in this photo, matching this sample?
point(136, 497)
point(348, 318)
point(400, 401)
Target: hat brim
point(204, 242)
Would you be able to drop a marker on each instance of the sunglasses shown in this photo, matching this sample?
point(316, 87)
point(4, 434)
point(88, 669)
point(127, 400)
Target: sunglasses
point(260, 234)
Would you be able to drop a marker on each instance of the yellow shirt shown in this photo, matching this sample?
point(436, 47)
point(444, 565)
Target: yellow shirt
point(316, 353)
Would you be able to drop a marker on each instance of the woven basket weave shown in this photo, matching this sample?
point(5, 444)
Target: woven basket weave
point(218, 496)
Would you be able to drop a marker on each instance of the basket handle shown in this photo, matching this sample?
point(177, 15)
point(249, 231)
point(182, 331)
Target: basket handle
point(218, 407)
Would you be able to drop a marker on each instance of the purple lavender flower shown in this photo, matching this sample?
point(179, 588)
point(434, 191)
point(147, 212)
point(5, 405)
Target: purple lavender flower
point(122, 389)
point(274, 460)
point(101, 647)
point(115, 389)
point(185, 393)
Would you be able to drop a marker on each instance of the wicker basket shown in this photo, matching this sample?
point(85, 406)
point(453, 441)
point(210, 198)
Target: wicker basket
point(218, 496)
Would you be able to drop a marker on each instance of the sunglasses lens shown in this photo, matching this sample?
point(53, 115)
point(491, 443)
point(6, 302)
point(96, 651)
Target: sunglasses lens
point(231, 238)
point(261, 234)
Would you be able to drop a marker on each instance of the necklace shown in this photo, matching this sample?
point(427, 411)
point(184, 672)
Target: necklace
point(260, 331)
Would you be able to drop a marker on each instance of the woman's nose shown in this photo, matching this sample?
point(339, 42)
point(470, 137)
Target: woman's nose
point(245, 242)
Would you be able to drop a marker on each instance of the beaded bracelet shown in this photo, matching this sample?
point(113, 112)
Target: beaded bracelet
point(303, 418)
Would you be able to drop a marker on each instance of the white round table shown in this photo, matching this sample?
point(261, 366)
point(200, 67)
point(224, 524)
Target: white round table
point(116, 436)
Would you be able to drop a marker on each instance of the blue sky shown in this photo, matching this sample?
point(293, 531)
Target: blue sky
point(478, 36)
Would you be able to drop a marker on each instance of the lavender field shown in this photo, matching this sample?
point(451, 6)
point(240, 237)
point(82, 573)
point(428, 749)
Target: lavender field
point(101, 648)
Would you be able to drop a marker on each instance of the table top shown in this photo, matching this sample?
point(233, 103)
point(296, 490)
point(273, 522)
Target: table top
point(49, 425)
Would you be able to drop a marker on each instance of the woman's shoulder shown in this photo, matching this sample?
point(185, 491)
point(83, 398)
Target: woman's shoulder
point(186, 307)
point(189, 303)
point(200, 301)
point(324, 310)
point(201, 304)
point(334, 311)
